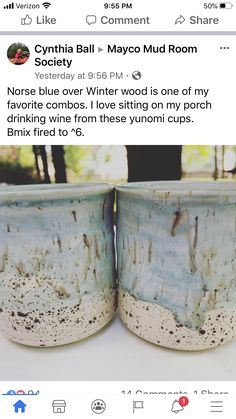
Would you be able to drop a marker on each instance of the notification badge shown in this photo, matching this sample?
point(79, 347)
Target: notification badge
point(179, 405)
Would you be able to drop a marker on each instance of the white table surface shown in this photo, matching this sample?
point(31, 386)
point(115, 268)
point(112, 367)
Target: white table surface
point(115, 354)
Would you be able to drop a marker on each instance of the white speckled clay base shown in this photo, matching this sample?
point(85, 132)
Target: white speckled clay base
point(68, 323)
point(157, 324)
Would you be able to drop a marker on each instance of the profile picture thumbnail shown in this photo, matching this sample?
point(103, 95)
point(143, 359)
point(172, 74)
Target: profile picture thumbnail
point(18, 53)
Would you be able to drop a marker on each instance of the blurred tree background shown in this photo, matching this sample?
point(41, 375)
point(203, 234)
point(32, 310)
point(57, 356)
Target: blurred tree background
point(49, 164)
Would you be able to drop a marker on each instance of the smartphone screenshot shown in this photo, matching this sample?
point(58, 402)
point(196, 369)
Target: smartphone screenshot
point(117, 209)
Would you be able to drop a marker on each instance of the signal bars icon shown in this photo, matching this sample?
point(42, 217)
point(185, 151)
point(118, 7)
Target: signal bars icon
point(9, 6)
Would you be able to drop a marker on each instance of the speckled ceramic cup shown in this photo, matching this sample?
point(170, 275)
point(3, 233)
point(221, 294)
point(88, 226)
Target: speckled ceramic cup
point(57, 280)
point(176, 244)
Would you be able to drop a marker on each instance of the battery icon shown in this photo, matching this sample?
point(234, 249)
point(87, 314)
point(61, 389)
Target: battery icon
point(226, 5)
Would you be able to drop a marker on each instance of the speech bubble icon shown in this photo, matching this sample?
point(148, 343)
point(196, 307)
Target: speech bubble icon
point(91, 19)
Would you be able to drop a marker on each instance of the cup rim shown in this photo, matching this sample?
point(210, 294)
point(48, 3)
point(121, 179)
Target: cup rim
point(180, 185)
point(184, 188)
point(52, 191)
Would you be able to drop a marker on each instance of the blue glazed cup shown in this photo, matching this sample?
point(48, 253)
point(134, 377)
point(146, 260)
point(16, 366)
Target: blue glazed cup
point(57, 279)
point(176, 244)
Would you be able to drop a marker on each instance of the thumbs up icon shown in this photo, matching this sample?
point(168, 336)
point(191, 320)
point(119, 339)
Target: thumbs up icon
point(27, 20)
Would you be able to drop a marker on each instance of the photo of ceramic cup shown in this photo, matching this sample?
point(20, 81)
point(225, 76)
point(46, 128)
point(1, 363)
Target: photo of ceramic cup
point(57, 277)
point(176, 244)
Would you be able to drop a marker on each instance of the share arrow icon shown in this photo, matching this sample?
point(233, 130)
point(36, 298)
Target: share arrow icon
point(180, 20)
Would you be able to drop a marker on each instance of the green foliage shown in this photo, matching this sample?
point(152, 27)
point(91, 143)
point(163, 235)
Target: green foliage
point(107, 158)
point(26, 156)
point(197, 157)
point(75, 157)
point(199, 152)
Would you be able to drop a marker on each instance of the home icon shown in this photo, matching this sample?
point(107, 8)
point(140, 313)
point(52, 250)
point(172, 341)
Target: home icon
point(19, 407)
point(59, 406)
